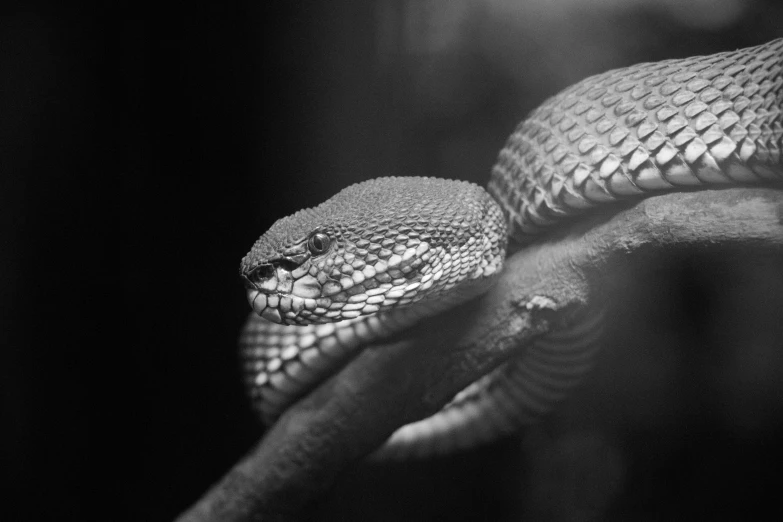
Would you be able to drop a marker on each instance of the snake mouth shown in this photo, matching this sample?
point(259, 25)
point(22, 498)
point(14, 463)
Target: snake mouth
point(278, 292)
point(286, 308)
point(266, 305)
point(261, 306)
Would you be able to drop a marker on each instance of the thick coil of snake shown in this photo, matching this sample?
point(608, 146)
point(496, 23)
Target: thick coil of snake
point(386, 253)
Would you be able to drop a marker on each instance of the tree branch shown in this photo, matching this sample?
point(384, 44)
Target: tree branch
point(415, 374)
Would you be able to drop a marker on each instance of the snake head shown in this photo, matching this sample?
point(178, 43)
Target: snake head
point(376, 245)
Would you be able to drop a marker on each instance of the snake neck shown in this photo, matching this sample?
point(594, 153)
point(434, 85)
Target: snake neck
point(285, 362)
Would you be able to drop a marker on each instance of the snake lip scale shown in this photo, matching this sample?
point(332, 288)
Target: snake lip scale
point(384, 254)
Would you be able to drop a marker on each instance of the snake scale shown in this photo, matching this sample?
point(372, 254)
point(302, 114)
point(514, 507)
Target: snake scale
point(384, 254)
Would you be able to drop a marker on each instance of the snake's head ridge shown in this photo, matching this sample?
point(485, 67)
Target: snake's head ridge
point(383, 243)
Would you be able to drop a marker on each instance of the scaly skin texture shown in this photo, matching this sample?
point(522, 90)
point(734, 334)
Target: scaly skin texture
point(387, 243)
point(649, 128)
point(400, 249)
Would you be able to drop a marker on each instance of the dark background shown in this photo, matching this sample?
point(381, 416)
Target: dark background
point(144, 148)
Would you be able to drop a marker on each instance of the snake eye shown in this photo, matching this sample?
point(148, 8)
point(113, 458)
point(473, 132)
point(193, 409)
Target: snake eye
point(318, 243)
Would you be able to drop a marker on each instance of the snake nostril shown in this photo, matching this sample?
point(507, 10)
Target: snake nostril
point(257, 275)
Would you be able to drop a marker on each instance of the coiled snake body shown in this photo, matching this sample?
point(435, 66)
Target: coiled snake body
point(383, 254)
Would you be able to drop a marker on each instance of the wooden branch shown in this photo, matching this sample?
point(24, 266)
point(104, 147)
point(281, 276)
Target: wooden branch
point(415, 374)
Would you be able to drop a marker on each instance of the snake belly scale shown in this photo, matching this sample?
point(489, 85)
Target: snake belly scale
point(386, 253)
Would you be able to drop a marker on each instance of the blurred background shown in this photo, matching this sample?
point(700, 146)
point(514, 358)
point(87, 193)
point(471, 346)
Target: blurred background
point(144, 148)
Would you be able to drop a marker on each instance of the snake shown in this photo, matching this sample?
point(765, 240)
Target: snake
point(385, 254)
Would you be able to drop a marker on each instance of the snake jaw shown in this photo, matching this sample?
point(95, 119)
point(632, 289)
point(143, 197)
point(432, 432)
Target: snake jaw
point(326, 290)
point(262, 310)
point(283, 289)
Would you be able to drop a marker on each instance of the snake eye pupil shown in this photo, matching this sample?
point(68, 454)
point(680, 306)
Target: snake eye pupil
point(318, 243)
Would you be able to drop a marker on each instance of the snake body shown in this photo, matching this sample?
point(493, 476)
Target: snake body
point(384, 254)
